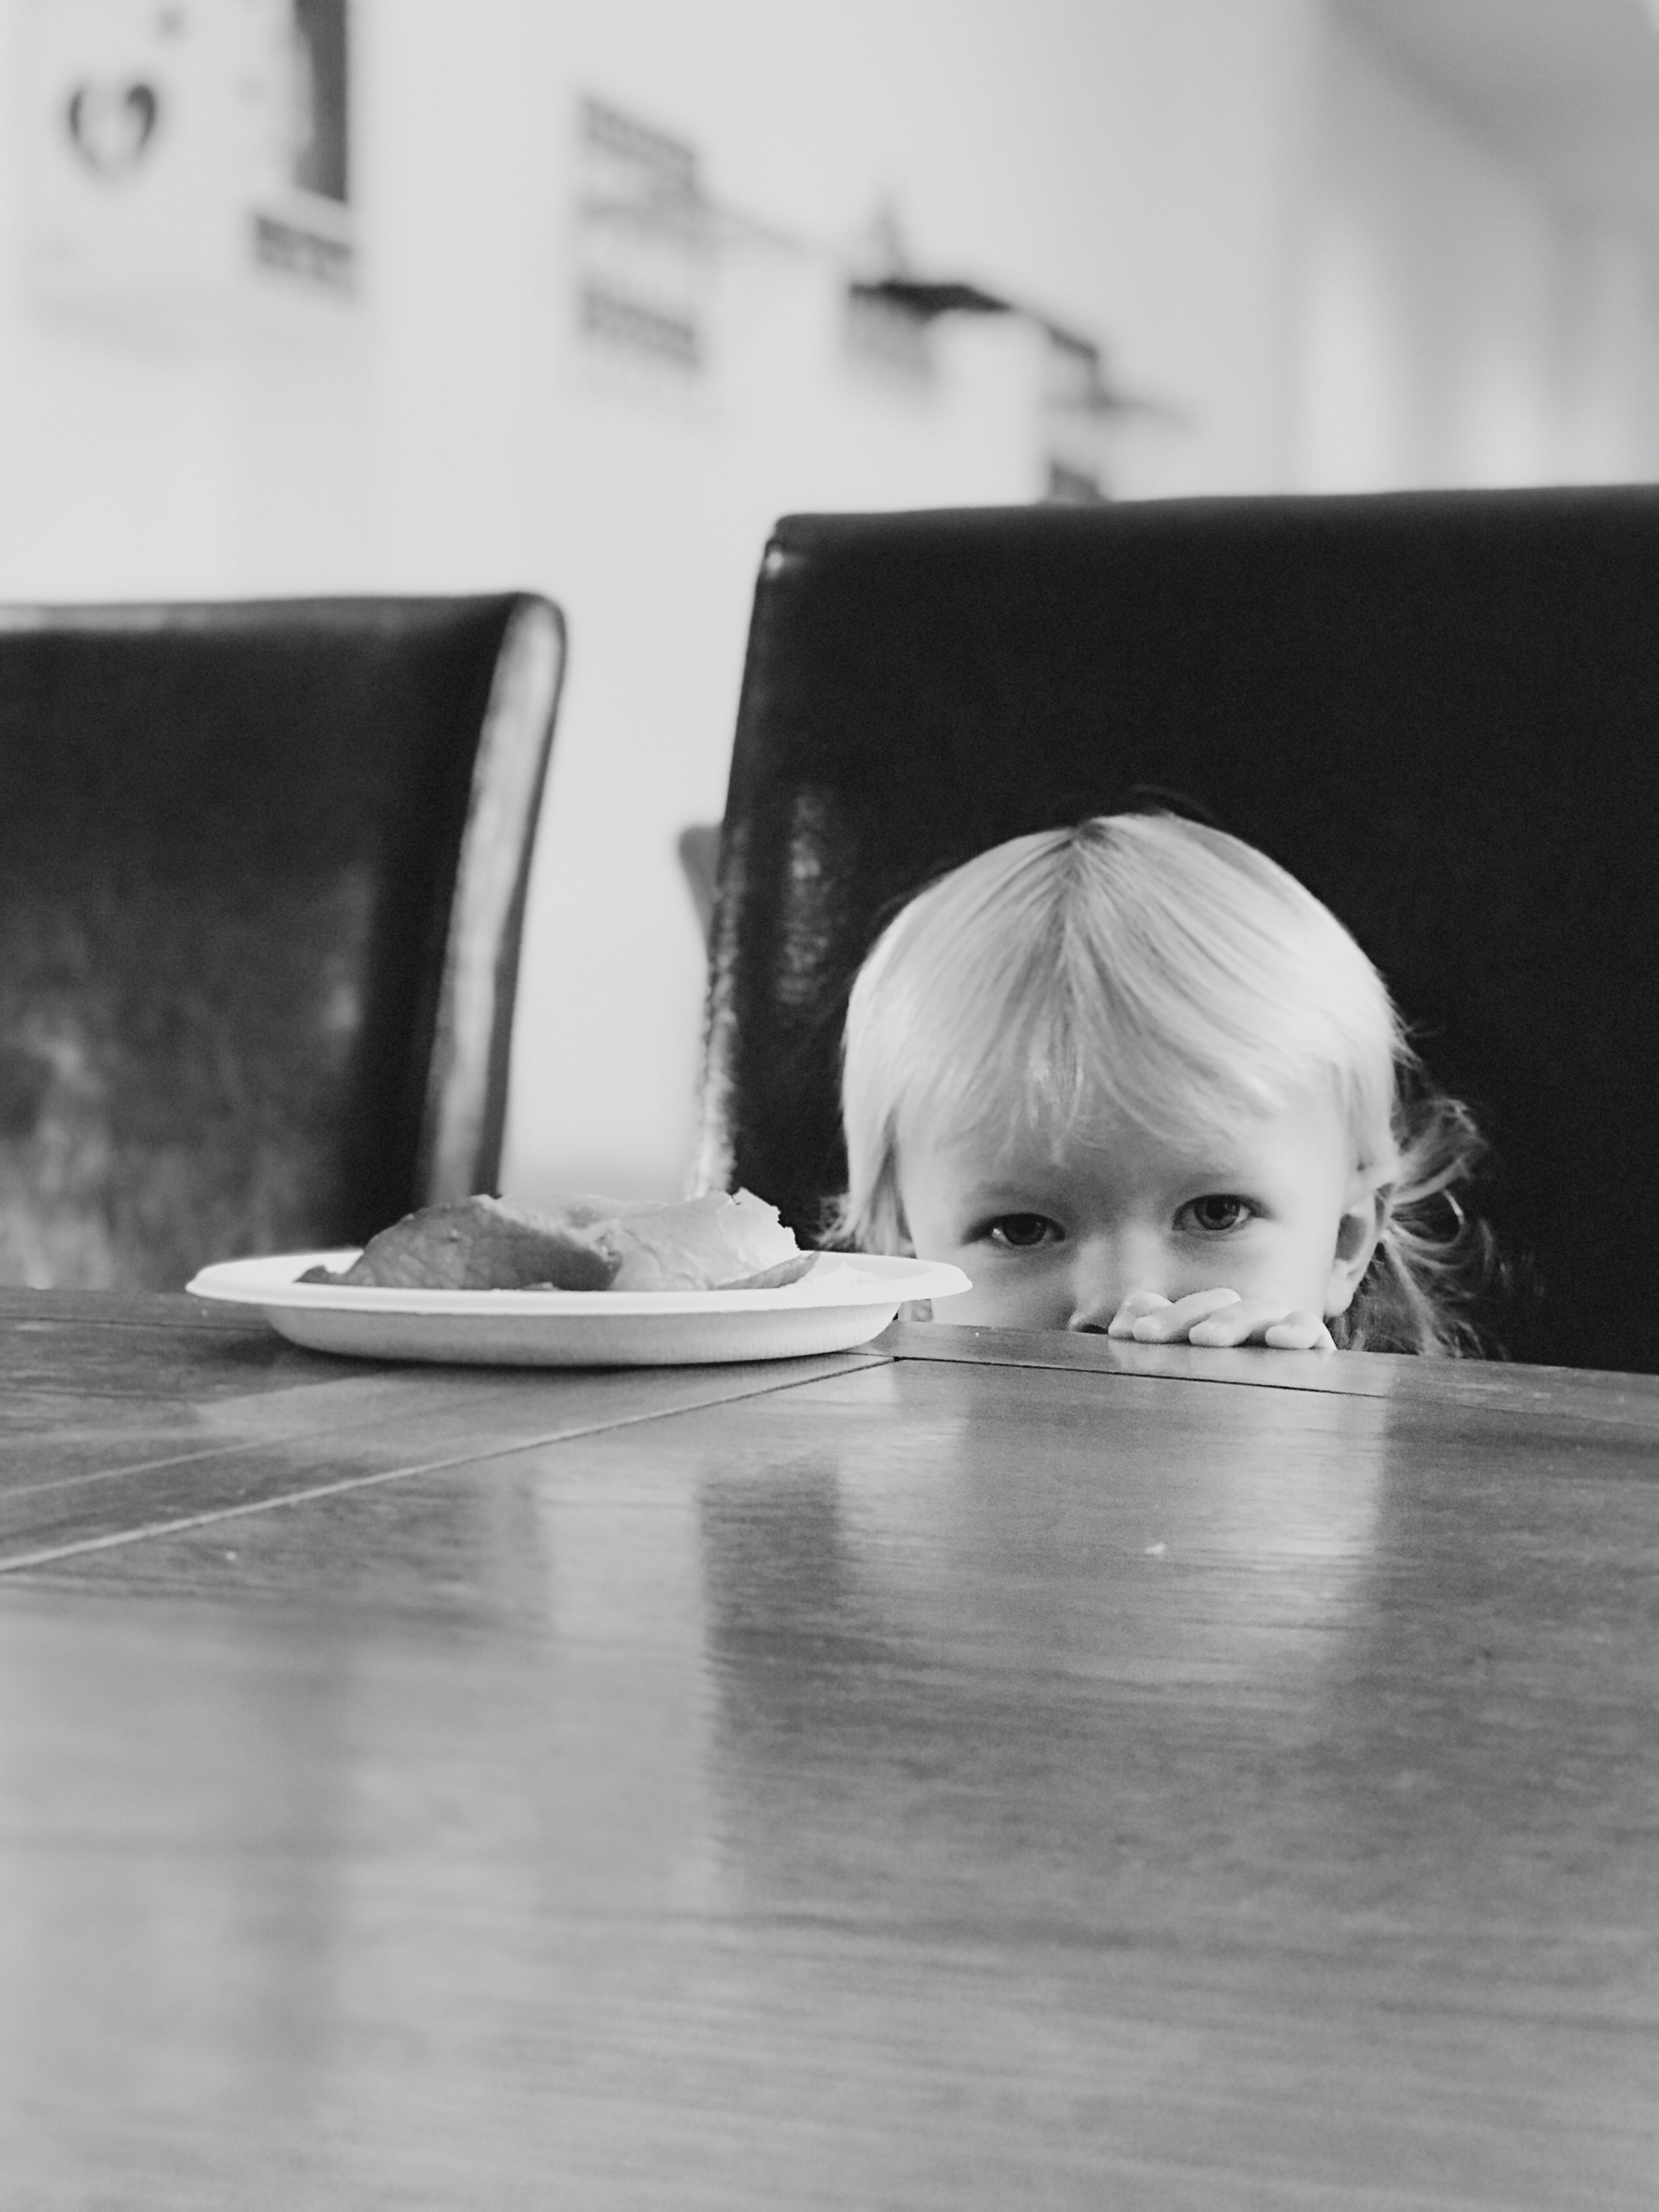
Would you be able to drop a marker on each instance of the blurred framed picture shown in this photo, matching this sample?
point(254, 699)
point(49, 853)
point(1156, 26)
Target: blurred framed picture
point(183, 152)
point(301, 221)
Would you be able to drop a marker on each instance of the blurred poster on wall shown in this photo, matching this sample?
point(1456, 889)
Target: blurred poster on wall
point(187, 155)
point(643, 261)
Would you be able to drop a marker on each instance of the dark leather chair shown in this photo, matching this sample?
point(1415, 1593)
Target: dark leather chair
point(1440, 711)
point(262, 877)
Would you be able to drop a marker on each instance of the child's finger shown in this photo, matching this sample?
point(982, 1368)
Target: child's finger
point(1170, 1323)
point(1240, 1322)
point(1299, 1332)
point(1256, 1321)
point(1122, 1322)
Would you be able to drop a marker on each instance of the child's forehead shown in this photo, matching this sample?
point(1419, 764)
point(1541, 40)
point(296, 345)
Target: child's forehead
point(1034, 1137)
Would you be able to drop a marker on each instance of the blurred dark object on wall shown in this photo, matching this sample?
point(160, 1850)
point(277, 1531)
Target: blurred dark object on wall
point(262, 879)
point(322, 153)
point(1437, 710)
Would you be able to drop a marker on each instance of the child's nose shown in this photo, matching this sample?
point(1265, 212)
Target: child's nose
point(1108, 1268)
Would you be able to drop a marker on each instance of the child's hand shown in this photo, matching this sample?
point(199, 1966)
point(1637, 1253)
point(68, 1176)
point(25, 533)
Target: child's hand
point(1217, 1318)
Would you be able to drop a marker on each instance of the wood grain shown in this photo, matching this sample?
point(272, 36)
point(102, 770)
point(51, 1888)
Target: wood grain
point(120, 1419)
point(1522, 1390)
point(938, 1784)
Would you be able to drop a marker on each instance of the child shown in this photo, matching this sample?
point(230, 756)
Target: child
point(1131, 1077)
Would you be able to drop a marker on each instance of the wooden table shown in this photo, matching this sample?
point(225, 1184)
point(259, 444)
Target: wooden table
point(1005, 1771)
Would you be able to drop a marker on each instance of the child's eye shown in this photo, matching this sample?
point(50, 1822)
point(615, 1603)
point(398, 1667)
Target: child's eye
point(1021, 1233)
point(1216, 1213)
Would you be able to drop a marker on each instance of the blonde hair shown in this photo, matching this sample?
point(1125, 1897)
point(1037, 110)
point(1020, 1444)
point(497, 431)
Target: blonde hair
point(1159, 970)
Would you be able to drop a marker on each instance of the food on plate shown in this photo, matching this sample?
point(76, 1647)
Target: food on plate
point(477, 1244)
point(719, 1241)
point(715, 1243)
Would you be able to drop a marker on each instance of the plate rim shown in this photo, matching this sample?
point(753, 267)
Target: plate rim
point(894, 1279)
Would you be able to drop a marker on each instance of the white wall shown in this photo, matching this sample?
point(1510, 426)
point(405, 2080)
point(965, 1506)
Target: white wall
point(1455, 327)
point(1381, 302)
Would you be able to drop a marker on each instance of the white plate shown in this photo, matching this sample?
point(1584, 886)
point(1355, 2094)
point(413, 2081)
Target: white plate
point(845, 1299)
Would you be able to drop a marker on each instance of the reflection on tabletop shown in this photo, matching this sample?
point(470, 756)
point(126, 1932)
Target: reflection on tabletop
point(940, 1781)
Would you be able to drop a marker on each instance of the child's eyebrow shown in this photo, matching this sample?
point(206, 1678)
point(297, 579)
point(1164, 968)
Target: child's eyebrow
point(1002, 1198)
point(1018, 1186)
point(1016, 1200)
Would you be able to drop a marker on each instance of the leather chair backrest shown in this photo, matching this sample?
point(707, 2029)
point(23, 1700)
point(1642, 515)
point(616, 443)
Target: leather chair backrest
point(262, 877)
point(1440, 711)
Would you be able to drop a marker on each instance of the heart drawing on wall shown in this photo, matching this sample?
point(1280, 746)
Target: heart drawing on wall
point(112, 126)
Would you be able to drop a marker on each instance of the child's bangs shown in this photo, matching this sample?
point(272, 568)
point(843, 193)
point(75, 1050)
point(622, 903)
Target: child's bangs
point(1153, 985)
point(1200, 981)
point(1037, 1053)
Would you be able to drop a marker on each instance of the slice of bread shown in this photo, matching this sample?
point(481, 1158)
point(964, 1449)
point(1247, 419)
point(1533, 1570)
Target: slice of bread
point(717, 1241)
